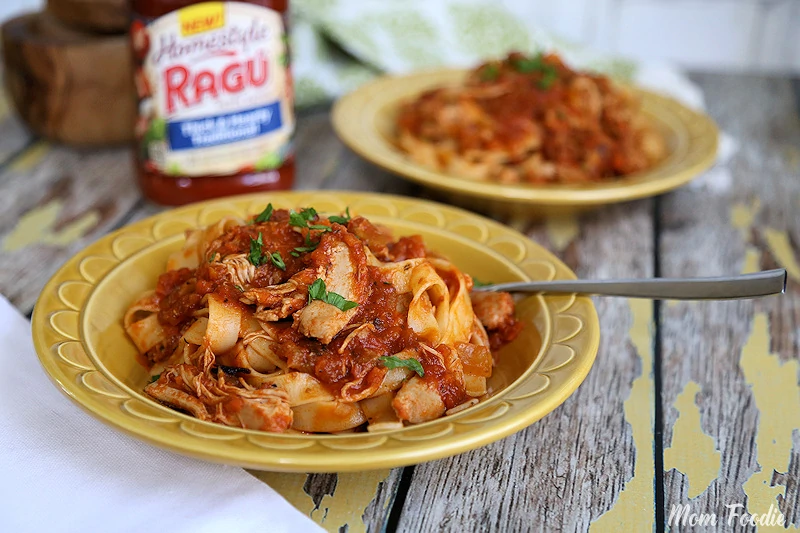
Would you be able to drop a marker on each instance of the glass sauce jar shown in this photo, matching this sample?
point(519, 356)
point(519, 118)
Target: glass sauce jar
point(215, 113)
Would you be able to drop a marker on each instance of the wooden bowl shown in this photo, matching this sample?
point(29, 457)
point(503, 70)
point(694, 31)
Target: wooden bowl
point(69, 86)
point(98, 16)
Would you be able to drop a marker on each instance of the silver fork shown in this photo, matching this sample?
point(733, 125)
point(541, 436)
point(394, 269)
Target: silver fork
point(718, 288)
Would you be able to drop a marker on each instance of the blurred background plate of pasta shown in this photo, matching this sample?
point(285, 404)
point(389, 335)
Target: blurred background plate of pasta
point(79, 337)
point(366, 121)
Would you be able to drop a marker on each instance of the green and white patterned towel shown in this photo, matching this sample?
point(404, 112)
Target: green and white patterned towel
point(340, 44)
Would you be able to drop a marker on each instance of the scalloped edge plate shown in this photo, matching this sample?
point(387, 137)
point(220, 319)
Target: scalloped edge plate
point(67, 308)
point(364, 121)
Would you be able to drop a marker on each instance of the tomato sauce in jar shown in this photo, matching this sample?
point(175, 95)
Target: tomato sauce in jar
point(215, 114)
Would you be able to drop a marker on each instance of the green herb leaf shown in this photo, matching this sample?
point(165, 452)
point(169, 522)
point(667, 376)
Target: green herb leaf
point(391, 362)
point(322, 227)
point(295, 219)
point(303, 249)
point(310, 245)
point(337, 300)
point(212, 257)
point(153, 379)
point(255, 250)
point(527, 65)
point(537, 64)
point(478, 283)
point(341, 220)
point(277, 260)
point(241, 289)
point(489, 73)
point(294, 254)
point(301, 219)
point(265, 214)
point(318, 291)
point(548, 79)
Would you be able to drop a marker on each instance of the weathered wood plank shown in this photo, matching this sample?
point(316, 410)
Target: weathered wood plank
point(730, 369)
point(353, 173)
point(354, 503)
point(319, 151)
point(594, 454)
point(15, 136)
point(56, 200)
point(53, 202)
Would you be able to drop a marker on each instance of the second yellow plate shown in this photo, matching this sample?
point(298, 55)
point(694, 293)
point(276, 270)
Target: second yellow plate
point(365, 121)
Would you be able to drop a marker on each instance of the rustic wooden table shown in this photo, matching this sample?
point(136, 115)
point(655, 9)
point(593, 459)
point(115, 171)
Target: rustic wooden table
point(688, 403)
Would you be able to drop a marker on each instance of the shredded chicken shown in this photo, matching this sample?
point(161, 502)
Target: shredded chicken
point(280, 301)
point(213, 399)
point(493, 309)
point(342, 261)
point(418, 401)
point(239, 269)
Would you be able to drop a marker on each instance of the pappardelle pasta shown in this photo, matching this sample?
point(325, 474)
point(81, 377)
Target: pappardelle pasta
point(293, 321)
point(530, 119)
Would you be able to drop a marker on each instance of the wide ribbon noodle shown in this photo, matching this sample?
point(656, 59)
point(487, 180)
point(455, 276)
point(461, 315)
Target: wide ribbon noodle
point(296, 322)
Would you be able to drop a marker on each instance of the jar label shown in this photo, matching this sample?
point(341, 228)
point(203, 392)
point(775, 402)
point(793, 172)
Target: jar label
point(215, 94)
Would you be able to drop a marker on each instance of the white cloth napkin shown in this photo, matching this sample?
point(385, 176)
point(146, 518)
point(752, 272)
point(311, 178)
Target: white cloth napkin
point(61, 470)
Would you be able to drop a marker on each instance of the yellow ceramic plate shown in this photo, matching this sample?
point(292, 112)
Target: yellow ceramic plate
point(78, 334)
point(365, 119)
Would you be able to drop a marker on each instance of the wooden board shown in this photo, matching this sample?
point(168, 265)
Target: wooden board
point(730, 394)
point(53, 202)
point(66, 85)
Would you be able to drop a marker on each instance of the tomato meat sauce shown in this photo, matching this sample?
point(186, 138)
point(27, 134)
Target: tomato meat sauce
point(383, 320)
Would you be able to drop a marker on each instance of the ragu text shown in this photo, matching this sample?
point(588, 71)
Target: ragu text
point(184, 87)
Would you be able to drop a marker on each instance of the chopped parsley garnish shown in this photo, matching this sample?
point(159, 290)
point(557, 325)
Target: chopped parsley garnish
point(258, 257)
point(277, 260)
point(240, 288)
point(301, 219)
point(478, 283)
point(153, 379)
point(526, 65)
point(489, 72)
point(265, 214)
point(548, 79)
point(255, 250)
point(318, 291)
point(309, 247)
point(536, 63)
point(322, 227)
point(212, 257)
point(341, 220)
point(391, 362)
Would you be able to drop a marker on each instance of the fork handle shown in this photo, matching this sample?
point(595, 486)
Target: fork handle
point(719, 288)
